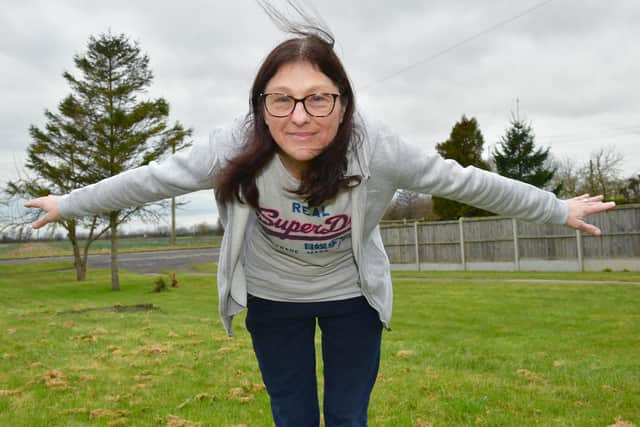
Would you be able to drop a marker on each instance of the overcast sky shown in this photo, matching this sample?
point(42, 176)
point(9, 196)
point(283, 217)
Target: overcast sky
point(573, 65)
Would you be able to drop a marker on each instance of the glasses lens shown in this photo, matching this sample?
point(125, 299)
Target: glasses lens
point(319, 104)
point(279, 104)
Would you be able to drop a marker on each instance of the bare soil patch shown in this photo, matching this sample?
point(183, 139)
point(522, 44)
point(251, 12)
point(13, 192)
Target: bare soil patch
point(116, 308)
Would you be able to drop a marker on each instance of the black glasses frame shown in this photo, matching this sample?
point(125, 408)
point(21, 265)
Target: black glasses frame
point(295, 103)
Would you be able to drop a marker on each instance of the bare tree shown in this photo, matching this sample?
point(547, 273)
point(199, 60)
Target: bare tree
point(409, 205)
point(602, 172)
point(567, 178)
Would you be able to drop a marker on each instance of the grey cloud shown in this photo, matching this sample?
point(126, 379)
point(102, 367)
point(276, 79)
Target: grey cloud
point(572, 63)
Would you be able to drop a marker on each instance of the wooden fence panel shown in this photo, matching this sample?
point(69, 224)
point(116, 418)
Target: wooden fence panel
point(621, 235)
point(546, 241)
point(399, 243)
point(439, 242)
point(492, 240)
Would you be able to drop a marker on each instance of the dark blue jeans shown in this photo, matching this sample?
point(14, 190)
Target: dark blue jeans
point(283, 336)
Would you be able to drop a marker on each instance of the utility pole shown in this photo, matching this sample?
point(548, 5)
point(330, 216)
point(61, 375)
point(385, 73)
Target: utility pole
point(173, 207)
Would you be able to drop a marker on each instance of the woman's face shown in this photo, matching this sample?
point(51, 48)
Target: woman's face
point(300, 136)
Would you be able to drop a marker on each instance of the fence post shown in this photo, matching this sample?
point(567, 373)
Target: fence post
point(462, 258)
point(417, 244)
point(516, 249)
point(579, 247)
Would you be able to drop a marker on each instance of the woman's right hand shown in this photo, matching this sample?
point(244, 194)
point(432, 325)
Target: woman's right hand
point(49, 204)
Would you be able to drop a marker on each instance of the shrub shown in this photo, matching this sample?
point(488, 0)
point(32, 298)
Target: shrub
point(160, 285)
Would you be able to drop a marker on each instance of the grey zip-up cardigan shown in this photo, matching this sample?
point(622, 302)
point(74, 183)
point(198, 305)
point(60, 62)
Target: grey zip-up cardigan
point(385, 163)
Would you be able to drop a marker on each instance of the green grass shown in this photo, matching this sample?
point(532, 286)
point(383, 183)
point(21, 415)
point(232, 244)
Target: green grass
point(513, 354)
point(601, 276)
point(34, 249)
point(6, 248)
point(462, 352)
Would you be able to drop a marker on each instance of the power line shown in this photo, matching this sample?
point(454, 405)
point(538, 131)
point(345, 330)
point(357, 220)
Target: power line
point(579, 139)
point(631, 130)
point(458, 44)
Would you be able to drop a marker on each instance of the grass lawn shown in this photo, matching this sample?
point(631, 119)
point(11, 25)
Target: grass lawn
point(463, 351)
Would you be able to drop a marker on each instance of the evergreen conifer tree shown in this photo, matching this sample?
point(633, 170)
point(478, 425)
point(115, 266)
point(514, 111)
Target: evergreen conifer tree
point(465, 145)
point(125, 131)
point(517, 156)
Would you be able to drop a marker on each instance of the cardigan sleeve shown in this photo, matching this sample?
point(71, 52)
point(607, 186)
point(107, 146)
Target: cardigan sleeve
point(186, 171)
point(412, 167)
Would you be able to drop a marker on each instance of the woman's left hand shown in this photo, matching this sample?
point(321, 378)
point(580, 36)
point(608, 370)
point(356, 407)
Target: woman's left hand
point(581, 207)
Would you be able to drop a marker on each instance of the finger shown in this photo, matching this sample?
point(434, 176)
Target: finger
point(580, 197)
point(41, 222)
point(34, 203)
point(599, 207)
point(589, 228)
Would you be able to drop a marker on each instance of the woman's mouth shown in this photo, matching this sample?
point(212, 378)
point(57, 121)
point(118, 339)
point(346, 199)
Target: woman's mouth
point(301, 135)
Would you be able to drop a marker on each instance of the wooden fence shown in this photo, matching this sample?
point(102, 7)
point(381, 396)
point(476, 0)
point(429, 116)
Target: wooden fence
point(499, 243)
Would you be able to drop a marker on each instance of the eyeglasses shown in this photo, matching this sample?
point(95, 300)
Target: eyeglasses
point(316, 104)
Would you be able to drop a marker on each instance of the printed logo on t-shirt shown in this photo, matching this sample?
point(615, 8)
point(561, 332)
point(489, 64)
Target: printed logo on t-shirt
point(332, 227)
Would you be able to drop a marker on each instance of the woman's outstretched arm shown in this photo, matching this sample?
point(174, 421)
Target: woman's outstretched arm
point(411, 167)
point(189, 170)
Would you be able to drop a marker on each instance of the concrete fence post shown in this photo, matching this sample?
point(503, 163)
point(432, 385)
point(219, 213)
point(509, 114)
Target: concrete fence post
point(462, 257)
point(516, 249)
point(417, 244)
point(579, 248)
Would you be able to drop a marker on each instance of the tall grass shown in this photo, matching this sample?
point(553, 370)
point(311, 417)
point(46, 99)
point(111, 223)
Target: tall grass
point(461, 352)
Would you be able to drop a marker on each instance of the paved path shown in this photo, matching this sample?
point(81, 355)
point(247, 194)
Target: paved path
point(141, 262)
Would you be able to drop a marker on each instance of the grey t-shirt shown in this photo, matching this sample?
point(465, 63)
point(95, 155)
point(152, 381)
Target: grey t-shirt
point(298, 252)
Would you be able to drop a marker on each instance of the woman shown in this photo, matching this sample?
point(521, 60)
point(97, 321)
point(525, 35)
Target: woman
point(301, 184)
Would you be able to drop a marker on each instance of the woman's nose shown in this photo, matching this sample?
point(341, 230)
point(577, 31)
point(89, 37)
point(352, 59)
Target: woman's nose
point(299, 114)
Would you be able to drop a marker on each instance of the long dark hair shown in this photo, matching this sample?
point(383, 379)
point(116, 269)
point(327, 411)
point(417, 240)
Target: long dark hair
point(326, 174)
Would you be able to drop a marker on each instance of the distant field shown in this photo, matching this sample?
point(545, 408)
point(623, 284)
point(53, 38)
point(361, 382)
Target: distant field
point(63, 247)
point(463, 351)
